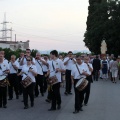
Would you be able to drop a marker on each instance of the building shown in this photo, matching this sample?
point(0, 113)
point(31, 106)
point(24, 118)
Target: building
point(14, 45)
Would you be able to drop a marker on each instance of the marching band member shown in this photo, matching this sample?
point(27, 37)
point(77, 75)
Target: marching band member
point(12, 77)
point(45, 70)
point(89, 78)
point(80, 69)
point(4, 69)
point(19, 70)
point(68, 62)
point(39, 78)
point(24, 58)
point(29, 70)
point(49, 96)
point(56, 66)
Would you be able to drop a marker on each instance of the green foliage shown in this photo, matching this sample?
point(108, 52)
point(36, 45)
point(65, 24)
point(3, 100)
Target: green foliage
point(63, 54)
point(9, 52)
point(103, 22)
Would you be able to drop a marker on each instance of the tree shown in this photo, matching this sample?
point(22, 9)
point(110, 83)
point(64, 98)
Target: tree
point(101, 25)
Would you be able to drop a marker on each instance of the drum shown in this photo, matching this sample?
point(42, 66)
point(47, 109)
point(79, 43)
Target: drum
point(26, 82)
point(81, 84)
point(3, 81)
point(52, 80)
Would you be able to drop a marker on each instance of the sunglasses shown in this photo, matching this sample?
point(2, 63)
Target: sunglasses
point(28, 60)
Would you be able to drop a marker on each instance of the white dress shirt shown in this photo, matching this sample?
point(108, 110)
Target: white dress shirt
point(39, 66)
point(82, 68)
point(3, 67)
point(57, 64)
point(19, 60)
point(25, 69)
point(12, 70)
point(69, 63)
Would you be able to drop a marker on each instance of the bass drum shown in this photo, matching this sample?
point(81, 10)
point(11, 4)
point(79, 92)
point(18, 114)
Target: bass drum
point(81, 84)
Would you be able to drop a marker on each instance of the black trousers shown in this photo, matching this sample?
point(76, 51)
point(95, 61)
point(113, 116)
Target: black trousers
point(79, 96)
point(13, 80)
point(3, 96)
point(39, 82)
point(19, 82)
point(96, 74)
point(49, 96)
point(45, 82)
point(56, 97)
point(87, 90)
point(28, 91)
point(68, 81)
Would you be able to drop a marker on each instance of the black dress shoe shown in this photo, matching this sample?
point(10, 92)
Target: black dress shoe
point(32, 104)
point(4, 106)
point(47, 100)
point(81, 109)
point(70, 93)
point(59, 107)
point(65, 93)
point(85, 104)
point(51, 109)
point(36, 96)
point(76, 111)
point(10, 99)
point(42, 94)
point(17, 97)
point(26, 107)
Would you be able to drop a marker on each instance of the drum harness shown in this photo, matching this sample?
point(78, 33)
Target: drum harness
point(78, 71)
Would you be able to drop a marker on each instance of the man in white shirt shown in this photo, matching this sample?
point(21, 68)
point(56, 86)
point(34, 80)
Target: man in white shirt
point(39, 78)
point(12, 77)
point(68, 62)
point(19, 70)
point(80, 69)
point(24, 59)
point(56, 67)
point(89, 78)
point(45, 70)
point(4, 69)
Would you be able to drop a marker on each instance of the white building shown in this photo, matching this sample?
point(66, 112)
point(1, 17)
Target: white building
point(14, 45)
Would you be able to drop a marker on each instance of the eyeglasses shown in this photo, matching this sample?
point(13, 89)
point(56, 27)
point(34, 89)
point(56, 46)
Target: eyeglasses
point(27, 52)
point(28, 60)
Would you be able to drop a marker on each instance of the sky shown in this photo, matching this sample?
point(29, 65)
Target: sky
point(48, 24)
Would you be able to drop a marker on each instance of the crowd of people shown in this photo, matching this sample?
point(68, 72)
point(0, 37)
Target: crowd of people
point(30, 77)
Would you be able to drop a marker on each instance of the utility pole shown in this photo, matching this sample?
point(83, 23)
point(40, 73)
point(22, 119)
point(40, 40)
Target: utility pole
point(15, 37)
point(11, 34)
point(5, 30)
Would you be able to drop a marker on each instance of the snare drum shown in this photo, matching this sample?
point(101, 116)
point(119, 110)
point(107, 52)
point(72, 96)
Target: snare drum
point(52, 80)
point(3, 81)
point(81, 84)
point(26, 82)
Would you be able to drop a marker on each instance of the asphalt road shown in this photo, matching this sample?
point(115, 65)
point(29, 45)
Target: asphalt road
point(104, 104)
